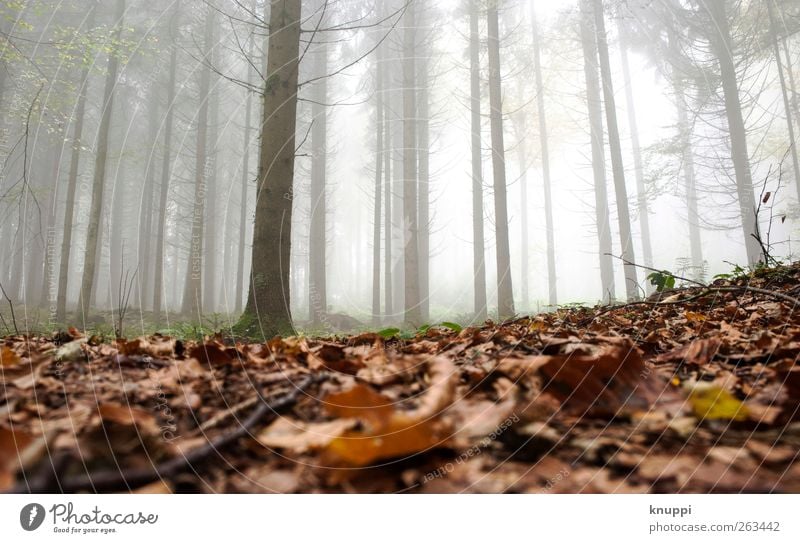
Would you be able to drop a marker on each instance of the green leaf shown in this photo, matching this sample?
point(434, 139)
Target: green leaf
point(662, 280)
point(388, 333)
point(424, 328)
point(452, 326)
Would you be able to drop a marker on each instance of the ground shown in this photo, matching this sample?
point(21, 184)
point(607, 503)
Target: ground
point(694, 390)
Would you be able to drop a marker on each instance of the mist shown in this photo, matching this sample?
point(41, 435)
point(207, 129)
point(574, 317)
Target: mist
point(319, 166)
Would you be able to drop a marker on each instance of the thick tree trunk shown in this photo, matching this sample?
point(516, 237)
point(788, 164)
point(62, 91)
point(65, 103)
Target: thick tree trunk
point(317, 242)
point(548, 199)
point(505, 296)
point(411, 288)
point(161, 217)
point(478, 247)
point(636, 148)
point(93, 237)
point(192, 305)
point(595, 107)
point(268, 309)
point(720, 37)
point(618, 168)
point(784, 92)
point(376, 215)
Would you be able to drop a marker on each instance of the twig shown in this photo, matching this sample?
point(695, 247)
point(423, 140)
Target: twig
point(629, 263)
point(122, 480)
point(11, 306)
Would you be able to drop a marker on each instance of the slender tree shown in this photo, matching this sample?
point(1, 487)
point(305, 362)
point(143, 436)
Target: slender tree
point(93, 235)
point(317, 243)
point(617, 167)
point(636, 149)
point(166, 164)
point(72, 182)
point(413, 314)
point(376, 217)
point(478, 249)
point(505, 296)
point(548, 199)
point(595, 106)
point(192, 304)
point(722, 47)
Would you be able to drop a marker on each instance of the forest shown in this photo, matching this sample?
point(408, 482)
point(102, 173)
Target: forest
point(526, 218)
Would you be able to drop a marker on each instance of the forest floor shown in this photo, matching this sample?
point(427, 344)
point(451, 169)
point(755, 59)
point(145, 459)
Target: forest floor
point(697, 390)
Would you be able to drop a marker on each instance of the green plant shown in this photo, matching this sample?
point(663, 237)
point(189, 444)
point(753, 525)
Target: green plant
point(662, 280)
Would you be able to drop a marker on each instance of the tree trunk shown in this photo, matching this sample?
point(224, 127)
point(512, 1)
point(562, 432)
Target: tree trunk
point(413, 314)
point(595, 107)
point(158, 278)
point(317, 242)
point(424, 197)
point(721, 45)
point(211, 229)
point(93, 235)
point(192, 305)
point(687, 156)
point(617, 167)
point(638, 167)
point(388, 291)
point(268, 309)
point(72, 184)
point(505, 296)
point(145, 232)
point(548, 199)
point(478, 249)
point(376, 216)
point(784, 92)
point(243, 199)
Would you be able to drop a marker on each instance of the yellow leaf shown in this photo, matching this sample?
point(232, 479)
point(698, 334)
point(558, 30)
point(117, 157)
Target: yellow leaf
point(538, 326)
point(691, 316)
point(8, 357)
point(714, 403)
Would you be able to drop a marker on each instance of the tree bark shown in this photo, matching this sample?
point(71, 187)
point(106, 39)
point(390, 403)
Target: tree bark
point(268, 309)
point(93, 235)
point(595, 107)
point(548, 199)
point(505, 296)
point(478, 247)
point(617, 167)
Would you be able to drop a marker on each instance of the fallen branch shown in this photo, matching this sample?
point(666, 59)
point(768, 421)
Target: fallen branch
point(126, 480)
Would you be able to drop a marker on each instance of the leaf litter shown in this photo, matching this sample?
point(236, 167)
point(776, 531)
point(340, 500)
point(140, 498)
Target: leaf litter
point(701, 395)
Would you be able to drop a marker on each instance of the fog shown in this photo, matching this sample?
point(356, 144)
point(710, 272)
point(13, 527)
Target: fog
point(135, 134)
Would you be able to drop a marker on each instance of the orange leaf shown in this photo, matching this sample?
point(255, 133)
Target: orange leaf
point(8, 357)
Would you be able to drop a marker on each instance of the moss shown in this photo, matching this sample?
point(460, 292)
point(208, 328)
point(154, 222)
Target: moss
point(251, 327)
